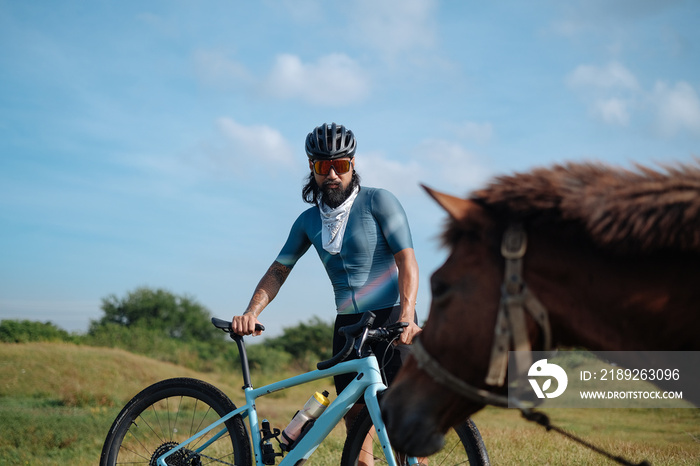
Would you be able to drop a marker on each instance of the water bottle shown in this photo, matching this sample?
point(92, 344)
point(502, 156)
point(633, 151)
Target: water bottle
point(311, 410)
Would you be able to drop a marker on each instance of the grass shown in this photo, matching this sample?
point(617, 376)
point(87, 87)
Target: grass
point(660, 436)
point(35, 431)
point(57, 402)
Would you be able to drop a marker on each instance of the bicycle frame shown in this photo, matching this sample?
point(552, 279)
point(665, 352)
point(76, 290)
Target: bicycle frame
point(368, 382)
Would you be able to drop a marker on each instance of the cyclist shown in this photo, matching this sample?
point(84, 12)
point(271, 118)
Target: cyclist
point(364, 241)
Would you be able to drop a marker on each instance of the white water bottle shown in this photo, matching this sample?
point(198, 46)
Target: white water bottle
point(311, 410)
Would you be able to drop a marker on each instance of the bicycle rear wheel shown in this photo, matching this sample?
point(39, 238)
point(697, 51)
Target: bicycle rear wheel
point(166, 414)
point(463, 445)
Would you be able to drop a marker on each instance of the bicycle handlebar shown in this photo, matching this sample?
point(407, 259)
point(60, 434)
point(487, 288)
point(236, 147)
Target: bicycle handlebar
point(352, 333)
point(225, 325)
point(362, 331)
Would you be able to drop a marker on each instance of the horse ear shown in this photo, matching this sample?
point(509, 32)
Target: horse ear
point(457, 208)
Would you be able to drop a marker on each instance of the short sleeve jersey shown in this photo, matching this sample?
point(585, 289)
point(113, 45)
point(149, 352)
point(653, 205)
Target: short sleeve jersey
point(364, 273)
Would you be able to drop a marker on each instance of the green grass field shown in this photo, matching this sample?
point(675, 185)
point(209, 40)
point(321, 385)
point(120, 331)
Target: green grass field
point(57, 402)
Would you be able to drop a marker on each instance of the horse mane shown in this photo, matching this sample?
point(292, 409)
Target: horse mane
point(640, 210)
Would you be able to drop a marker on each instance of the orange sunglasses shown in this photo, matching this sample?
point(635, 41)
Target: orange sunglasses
point(323, 167)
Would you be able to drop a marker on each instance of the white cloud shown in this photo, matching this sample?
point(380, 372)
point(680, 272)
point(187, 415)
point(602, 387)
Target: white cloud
point(677, 108)
point(438, 163)
point(610, 91)
point(239, 150)
point(394, 27)
point(612, 111)
point(258, 142)
point(401, 178)
point(449, 164)
point(334, 80)
point(233, 150)
point(613, 75)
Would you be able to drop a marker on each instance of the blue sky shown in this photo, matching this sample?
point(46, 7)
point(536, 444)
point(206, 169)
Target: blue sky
point(160, 143)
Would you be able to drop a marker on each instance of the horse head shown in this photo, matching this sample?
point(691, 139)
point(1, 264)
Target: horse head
point(611, 266)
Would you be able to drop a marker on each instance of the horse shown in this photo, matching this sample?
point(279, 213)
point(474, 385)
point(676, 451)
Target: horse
point(604, 258)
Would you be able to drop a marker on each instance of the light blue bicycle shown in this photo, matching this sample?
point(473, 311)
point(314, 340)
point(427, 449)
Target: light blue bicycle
point(186, 421)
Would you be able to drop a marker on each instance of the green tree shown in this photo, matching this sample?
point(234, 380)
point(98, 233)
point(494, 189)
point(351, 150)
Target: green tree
point(179, 317)
point(307, 343)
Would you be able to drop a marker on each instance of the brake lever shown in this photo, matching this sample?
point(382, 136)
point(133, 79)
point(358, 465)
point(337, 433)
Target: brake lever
point(360, 342)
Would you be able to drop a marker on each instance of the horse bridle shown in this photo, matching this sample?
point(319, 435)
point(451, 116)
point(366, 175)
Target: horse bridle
point(510, 329)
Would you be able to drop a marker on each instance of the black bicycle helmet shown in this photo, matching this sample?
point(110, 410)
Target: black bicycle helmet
point(330, 142)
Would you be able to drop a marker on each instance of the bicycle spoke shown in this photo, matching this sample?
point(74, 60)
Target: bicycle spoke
point(166, 414)
point(133, 435)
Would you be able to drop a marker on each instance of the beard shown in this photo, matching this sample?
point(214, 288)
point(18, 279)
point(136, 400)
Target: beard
point(312, 193)
point(333, 197)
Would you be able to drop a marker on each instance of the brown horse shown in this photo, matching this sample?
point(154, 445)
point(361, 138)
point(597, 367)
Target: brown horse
point(612, 260)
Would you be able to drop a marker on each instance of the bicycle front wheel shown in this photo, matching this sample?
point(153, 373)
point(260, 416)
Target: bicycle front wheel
point(166, 414)
point(463, 445)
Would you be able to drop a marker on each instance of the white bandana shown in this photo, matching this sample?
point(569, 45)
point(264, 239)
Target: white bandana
point(334, 221)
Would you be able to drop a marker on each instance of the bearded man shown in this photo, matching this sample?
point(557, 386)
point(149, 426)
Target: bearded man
point(363, 239)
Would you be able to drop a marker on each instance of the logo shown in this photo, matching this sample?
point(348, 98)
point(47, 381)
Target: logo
point(542, 368)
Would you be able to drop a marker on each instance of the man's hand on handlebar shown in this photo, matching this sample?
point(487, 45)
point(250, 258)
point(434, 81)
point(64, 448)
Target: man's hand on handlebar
point(245, 325)
point(409, 333)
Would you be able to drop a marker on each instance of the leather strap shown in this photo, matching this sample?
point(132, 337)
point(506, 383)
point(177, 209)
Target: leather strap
point(440, 375)
point(516, 298)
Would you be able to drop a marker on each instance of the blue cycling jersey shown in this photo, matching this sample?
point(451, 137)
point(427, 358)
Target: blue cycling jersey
point(364, 274)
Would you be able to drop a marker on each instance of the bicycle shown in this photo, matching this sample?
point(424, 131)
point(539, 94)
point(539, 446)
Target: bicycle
point(185, 421)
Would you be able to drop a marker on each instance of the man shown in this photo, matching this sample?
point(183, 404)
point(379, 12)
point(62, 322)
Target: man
point(363, 239)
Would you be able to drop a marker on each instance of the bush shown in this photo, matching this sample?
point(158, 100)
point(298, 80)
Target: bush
point(25, 331)
point(311, 340)
point(266, 359)
point(158, 344)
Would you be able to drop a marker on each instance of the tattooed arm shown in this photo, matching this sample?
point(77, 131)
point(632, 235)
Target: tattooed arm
point(264, 293)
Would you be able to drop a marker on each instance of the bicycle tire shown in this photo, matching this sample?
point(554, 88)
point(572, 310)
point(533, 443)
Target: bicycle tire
point(166, 414)
point(473, 451)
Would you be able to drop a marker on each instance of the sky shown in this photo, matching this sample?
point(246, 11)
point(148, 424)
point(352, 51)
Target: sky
point(160, 143)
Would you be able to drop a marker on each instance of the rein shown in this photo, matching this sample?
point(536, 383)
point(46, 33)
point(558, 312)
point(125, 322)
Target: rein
point(511, 328)
point(442, 376)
